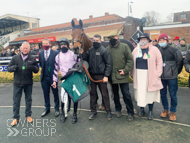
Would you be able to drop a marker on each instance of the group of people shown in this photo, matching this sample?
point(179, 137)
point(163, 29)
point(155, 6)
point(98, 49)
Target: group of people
point(179, 43)
point(154, 70)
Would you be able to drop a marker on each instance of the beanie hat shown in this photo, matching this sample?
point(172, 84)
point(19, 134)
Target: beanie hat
point(182, 39)
point(163, 36)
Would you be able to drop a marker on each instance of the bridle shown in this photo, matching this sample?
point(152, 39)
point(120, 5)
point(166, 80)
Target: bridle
point(76, 51)
point(77, 40)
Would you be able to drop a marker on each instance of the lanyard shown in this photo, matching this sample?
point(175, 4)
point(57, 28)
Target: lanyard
point(23, 66)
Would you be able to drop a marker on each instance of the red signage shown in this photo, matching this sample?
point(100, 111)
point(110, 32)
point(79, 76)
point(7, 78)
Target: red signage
point(31, 41)
point(39, 40)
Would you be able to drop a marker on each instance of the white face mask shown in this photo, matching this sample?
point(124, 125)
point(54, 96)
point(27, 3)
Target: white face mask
point(163, 44)
point(143, 42)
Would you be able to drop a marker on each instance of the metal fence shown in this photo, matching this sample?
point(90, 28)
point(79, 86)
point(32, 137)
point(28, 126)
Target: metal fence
point(4, 61)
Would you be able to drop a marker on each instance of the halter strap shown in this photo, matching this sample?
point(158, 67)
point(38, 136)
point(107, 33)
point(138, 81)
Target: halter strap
point(78, 27)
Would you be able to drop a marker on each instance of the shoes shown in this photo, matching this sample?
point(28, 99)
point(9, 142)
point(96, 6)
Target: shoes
point(29, 119)
point(74, 119)
point(118, 114)
point(92, 116)
point(14, 122)
point(45, 113)
point(150, 115)
point(129, 117)
point(172, 116)
point(142, 112)
point(109, 116)
point(63, 118)
point(164, 114)
point(56, 113)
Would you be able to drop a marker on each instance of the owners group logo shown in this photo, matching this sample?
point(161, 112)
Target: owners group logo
point(39, 127)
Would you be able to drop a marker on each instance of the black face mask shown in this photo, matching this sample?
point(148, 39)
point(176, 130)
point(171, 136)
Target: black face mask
point(113, 41)
point(24, 54)
point(96, 44)
point(64, 49)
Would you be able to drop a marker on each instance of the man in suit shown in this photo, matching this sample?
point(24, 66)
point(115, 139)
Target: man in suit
point(47, 63)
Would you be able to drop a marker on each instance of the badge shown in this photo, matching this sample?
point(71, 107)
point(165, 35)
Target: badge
point(148, 55)
point(97, 53)
point(49, 69)
point(23, 67)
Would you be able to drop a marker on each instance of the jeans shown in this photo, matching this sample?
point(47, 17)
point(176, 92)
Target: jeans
point(173, 87)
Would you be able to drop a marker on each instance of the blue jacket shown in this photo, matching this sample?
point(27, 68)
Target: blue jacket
point(52, 63)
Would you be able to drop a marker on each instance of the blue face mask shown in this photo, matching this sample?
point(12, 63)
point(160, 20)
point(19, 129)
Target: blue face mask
point(163, 44)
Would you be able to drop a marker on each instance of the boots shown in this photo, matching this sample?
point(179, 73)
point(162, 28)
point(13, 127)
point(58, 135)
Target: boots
point(62, 118)
point(150, 115)
point(142, 112)
point(74, 119)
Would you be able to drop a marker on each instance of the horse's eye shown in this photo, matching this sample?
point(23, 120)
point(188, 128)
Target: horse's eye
point(71, 34)
point(82, 34)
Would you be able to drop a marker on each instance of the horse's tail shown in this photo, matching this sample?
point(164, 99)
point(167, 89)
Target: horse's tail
point(89, 74)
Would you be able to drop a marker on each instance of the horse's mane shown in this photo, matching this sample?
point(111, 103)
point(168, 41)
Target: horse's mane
point(87, 43)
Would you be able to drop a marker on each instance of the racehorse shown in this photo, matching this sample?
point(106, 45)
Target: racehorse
point(79, 38)
point(82, 41)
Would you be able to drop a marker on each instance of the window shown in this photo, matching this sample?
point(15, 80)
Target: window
point(183, 16)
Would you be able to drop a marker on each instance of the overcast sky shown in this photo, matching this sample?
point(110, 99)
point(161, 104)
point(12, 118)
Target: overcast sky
point(53, 12)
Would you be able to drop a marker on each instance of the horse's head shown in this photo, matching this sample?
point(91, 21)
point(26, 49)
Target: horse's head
point(77, 36)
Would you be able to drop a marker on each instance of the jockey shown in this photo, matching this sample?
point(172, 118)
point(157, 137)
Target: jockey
point(63, 62)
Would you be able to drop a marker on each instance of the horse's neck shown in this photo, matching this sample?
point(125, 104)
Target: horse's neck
point(87, 43)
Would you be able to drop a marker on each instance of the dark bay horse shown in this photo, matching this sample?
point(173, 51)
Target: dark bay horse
point(79, 38)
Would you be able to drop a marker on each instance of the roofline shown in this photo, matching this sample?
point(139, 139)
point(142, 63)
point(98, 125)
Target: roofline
point(71, 29)
point(18, 15)
point(167, 26)
point(77, 20)
point(181, 12)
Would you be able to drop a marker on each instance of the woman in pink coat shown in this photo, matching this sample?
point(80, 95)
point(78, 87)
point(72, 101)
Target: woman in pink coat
point(146, 74)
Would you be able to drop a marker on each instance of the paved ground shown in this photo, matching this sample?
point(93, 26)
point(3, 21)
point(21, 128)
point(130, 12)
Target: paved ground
point(50, 129)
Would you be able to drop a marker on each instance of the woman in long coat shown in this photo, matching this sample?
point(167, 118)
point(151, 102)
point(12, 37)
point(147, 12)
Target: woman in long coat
point(146, 74)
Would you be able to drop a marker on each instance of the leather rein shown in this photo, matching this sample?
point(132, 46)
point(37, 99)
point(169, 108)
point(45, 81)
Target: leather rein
point(85, 69)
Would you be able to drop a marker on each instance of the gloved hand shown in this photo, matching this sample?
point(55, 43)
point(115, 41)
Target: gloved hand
point(31, 67)
point(15, 68)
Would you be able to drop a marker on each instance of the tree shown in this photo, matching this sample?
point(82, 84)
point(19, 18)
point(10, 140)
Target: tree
point(169, 18)
point(152, 18)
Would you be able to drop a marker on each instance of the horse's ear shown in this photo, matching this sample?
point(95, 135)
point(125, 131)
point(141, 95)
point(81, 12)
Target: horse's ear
point(73, 23)
point(80, 23)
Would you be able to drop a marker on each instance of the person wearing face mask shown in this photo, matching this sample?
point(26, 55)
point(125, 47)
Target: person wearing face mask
point(63, 62)
point(100, 67)
point(47, 63)
point(146, 74)
point(23, 65)
point(172, 66)
point(122, 61)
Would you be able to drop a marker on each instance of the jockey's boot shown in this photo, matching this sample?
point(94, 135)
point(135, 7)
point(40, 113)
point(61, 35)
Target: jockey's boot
point(62, 117)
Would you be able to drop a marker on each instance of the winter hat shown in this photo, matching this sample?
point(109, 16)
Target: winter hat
point(144, 35)
point(182, 39)
point(176, 38)
point(163, 36)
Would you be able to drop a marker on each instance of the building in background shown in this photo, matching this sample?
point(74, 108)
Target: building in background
point(125, 27)
point(180, 27)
